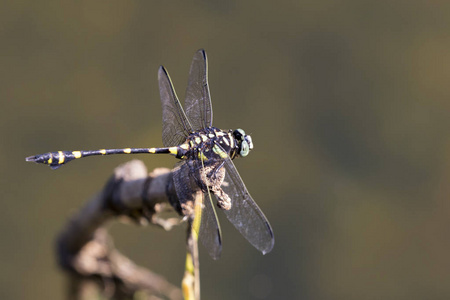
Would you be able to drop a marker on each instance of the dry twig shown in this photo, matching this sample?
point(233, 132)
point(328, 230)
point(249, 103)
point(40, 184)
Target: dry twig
point(87, 252)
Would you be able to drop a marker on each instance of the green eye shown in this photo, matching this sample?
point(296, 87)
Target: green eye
point(239, 134)
point(244, 149)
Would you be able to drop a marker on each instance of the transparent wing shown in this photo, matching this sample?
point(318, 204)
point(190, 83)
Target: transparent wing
point(176, 126)
point(245, 214)
point(198, 101)
point(210, 233)
point(205, 222)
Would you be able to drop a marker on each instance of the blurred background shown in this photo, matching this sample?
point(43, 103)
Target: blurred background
point(347, 103)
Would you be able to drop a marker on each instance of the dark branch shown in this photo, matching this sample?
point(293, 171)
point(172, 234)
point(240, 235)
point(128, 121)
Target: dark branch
point(87, 252)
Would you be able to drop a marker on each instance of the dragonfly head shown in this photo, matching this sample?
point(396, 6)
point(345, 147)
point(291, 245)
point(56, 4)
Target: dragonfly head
point(244, 142)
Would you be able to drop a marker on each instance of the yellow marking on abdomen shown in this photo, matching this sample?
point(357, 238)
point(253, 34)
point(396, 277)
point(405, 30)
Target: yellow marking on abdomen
point(61, 157)
point(127, 150)
point(152, 150)
point(204, 137)
point(173, 150)
point(197, 140)
point(184, 146)
point(103, 151)
point(77, 154)
point(50, 160)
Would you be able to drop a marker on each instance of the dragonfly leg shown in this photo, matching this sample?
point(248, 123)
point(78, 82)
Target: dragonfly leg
point(217, 170)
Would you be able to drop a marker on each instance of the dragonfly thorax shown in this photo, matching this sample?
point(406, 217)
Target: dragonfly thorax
point(213, 143)
point(210, 143)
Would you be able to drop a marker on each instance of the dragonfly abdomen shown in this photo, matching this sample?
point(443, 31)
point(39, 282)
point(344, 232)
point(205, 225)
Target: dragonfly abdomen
point(59, 158)
point(55, 159)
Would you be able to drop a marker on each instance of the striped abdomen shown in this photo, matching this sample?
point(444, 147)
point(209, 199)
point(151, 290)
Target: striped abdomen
point(59, 158)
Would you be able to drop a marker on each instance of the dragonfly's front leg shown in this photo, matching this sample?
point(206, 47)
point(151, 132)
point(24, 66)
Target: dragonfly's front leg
point(217, 169)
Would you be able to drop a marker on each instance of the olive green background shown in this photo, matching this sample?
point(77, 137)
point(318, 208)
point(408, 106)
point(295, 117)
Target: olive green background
point(347, 102)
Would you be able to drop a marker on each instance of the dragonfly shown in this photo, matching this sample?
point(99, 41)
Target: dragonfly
point(205, 165)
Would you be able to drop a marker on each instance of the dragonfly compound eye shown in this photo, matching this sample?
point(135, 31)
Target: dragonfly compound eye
point(244, 149)
point(239, 134)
